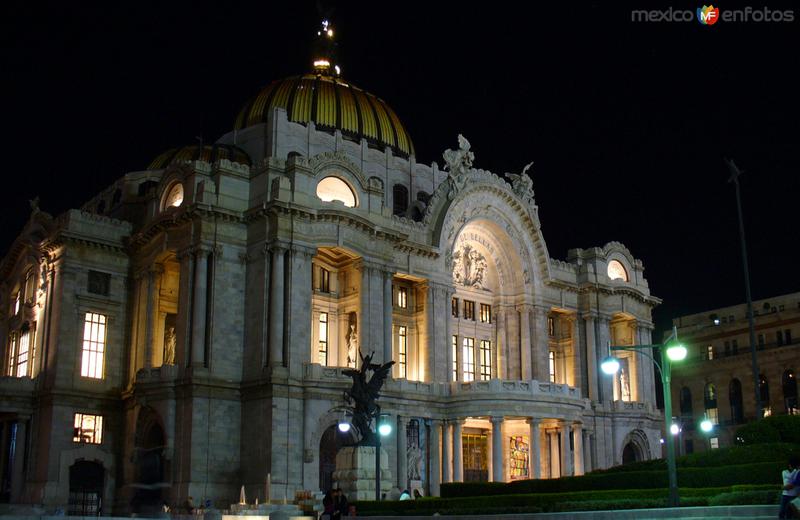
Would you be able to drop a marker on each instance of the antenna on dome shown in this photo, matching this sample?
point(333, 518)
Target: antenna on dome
point(325, 50)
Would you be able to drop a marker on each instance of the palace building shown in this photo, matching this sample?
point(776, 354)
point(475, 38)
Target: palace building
point(184, 332)
point(716, 380)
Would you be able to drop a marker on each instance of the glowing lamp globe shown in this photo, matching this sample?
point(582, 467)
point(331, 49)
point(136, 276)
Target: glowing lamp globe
point(676, 352)
point(385, 429)
point(344, 427)
point(706, 425)
point(674, 429)
point(610, 365)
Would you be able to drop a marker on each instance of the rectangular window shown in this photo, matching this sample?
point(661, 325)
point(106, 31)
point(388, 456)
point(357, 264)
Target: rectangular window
point(324, 280)
point(486, 360)
point(469, 310)
point(17, 302)
point(455, 358)
point(761, 342)
point(710, 351)
point(468, 359)
point(454, 307)
point(402, 297)
point(486, 313)
point(727, 348)
point(88, 428)
point(779, 337)
point(13, 339)
point(94, 345)
point(714, 443)
point(402, 351)
point(713, 415)
point(322, 348)
point(787, 336)
point(735, 346)
point(551, 327)
point(99, 283)
point(23, 354)
point(551, 357)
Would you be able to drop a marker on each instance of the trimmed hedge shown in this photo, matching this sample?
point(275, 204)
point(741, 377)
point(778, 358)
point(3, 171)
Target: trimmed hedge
point(556, 502)
point(745, 498)
point(777, 428)
point(719, 476)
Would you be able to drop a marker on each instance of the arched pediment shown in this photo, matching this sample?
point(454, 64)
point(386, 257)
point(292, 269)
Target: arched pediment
point(331, 163)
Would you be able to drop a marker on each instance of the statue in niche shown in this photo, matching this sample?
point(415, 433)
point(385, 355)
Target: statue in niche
point(352, 346)
point(414, 457)
point(457, 162)
point(469, 267)
point(624, 385)
point(170, 340)
point(522, 184)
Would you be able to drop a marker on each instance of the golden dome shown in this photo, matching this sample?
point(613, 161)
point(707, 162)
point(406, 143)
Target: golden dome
point(209, 153)
point(330, 103)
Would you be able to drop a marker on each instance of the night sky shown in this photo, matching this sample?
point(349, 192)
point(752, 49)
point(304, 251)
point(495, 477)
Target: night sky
point(627, 123)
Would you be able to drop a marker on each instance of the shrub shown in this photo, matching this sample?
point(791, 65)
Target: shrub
point(744, 498)
point(778, 428)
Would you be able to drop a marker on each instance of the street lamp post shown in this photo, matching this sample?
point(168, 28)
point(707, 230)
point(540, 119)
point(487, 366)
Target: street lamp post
point(382, 429)
point(670, 351)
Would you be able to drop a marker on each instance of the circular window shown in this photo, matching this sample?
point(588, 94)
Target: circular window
point(334, 188)
point(174, 196)
point(616, 271)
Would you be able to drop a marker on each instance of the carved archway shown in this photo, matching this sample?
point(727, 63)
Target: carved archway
point(635, 447)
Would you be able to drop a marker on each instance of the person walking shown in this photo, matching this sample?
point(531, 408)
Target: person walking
point(790, 487)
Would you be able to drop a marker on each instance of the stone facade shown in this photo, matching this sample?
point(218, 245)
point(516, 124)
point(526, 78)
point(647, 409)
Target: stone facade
point(235, 296)
point(716, 380)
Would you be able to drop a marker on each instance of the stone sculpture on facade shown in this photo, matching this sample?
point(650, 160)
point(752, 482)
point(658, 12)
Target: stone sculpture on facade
point(469, 267)
point(169, 346)
point(458, 162)
point(414, 471)
point(522, 184)
point(363, 394)
point(352, 346)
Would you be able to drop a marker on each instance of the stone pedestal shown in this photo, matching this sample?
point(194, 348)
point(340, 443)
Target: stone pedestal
point(355, 472)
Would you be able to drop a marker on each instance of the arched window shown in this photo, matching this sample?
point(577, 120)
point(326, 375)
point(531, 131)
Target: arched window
point(686, 403)
point(789, 386)
point(399, 199)
point(616, 271)
point(710, 403)
point(735, 394)
point(334, 188)
point(763, 395)
point(174, 197)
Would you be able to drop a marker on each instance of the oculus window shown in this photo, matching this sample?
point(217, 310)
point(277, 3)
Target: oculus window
point(334, 188)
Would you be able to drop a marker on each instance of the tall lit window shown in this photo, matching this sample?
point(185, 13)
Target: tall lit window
point(454, 307)
point(324, 280)
point(88, 428)
point(17, 302)
point(402, 297)
point(455, 358)
point(13, 345)
point(468, 359)
point(710, 352)
point(94, 345)
point(710, 403)
point(469, 310)
point(322, 349)
point(551, 327)
point(486, 360)
point(714, 443)
point(551, 358)
point(402, 351)
point(486, 313)
point(23, 354)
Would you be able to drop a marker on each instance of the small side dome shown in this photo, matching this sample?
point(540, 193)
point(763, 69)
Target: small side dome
point(209, 153)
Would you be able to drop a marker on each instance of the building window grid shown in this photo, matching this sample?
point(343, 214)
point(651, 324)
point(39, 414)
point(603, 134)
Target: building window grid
point(324, 280)
point(469, 310)
point(551, 358)
point(23, 354)
point(402, 351)
point(12, 354)
point(468, 359)
point(94, 345)
point(455, 357)
point(551, 327)
point(402, 297)
point(454, 307)
point(486, 360)
point(486, 313)
point(322, 349)
point(710, 352)
point(88, 428)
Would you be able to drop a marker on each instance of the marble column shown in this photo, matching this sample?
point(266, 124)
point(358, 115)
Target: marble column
point(603, 342)
point(430, 346)
point(18, 464)
point(587, 451)
point(448, 332)
point(534, 449)
point(541, 365)
point(150, 322)
point(577, 436)
point(387, 320)
point(276, 307)
point(446, 439)
point(592, 366)
point(402, 453)
point(566, 454)
point(458, 452)
point(199, 308)
point(577, 369)
point(525, 341)
point(501, 345)
point(364, 340)
point(435, 466)
point(497, 449)
point(555, 464)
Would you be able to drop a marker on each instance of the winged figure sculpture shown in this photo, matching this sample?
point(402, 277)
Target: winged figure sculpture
point(363, 394)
